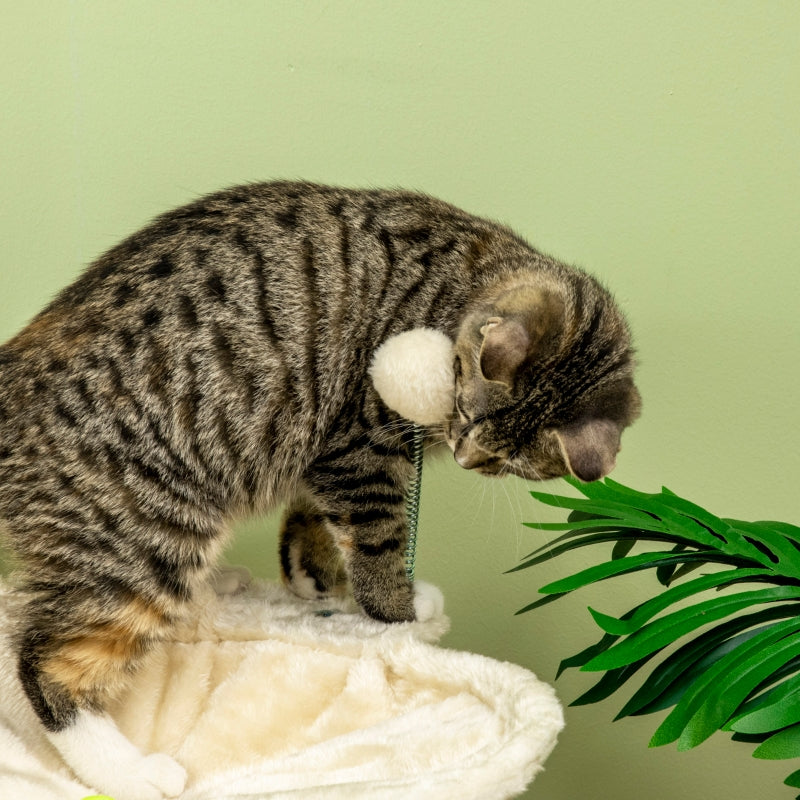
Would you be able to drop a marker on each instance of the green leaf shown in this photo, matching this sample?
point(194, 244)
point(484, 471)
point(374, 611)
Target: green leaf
point(578, 516)
point(623, 566)
point(622, 513)
point(680, 517)
point(784, 744)
point(648, 610)
point(579, 659)
point(665, 572)
point(711, 523)
point(793, 780)
point(542, 601)
point(669, 680)
point(784, 554)
point(662, 507)
point(624, 546)
point(735, 675)
point(597, 527)
point(784, 528)
point(632, 535)
point(781, 713)
point(672, 627)
point(726, 696)
point(686, 569)
point(673, 726)
point(779, 692)
point(562, 526)
point(570, 534)
point(611, 490)
point(673, 690)
point(750, 738)
point(728, 539)
point(565, 547)
point(609, 683)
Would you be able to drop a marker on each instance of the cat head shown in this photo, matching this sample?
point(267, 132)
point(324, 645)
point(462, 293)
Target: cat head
point(543, 380)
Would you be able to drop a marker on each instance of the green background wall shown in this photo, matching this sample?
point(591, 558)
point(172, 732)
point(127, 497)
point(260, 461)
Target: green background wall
point(657, 144)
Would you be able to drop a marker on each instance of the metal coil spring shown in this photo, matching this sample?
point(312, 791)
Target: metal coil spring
point(412, 500)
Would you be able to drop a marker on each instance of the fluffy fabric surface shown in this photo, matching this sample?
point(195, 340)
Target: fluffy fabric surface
point(270, 696)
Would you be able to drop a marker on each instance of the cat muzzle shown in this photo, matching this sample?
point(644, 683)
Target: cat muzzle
point(470, 455)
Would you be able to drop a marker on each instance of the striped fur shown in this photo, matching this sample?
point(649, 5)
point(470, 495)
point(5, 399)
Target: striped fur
point(214, 364)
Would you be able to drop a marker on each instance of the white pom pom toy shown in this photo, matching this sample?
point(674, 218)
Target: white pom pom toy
point(413, 374)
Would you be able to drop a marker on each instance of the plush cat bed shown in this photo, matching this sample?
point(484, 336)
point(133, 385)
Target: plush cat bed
point(269, 696)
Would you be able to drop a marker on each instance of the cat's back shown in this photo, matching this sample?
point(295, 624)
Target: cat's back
point(263, 262)
point(218, 248)
point(245, 317)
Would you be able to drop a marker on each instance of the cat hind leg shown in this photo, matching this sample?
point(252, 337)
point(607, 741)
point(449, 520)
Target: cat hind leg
point(230, 580)
point(73, 658)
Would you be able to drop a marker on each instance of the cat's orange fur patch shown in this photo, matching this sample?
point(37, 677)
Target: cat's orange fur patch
point(90, 664)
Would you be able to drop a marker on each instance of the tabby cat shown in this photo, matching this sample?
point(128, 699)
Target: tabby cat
point(215, 364)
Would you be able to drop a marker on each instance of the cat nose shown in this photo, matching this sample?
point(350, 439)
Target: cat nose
point(469, 455)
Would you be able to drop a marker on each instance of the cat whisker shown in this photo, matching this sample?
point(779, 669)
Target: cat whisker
point(393, 427)
point(526, 467)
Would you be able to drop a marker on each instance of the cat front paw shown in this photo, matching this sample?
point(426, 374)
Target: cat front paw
point(428, 601)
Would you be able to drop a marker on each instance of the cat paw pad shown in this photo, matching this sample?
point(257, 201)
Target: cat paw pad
point(428, 601)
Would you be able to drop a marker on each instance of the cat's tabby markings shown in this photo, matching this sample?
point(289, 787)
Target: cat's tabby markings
point(215, 364)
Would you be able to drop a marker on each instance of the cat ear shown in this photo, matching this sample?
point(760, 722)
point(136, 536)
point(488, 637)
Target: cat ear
point(505, 346)
point(590, 447)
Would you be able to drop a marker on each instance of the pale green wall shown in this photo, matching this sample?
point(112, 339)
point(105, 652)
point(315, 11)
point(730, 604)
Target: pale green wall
point(657, 144)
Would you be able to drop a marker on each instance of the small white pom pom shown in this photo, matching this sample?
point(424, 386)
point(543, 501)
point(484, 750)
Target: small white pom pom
point(428, 601)
point(413, 374)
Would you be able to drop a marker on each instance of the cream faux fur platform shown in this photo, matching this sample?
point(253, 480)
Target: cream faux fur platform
point(269, 696)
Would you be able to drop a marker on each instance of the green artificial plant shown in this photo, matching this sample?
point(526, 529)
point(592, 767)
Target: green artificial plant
point(728, 661)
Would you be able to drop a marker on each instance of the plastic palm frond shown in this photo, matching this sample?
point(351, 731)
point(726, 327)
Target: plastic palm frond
point(725, 661)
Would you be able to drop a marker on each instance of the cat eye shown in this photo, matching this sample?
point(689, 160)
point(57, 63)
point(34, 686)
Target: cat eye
point(465, 418)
